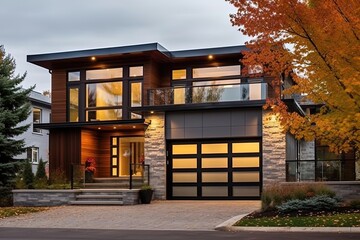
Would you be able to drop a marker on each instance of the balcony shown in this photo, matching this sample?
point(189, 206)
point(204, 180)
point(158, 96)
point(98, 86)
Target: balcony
point(207, 94)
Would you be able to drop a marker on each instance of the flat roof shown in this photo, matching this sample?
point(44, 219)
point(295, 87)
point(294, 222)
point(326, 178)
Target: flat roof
point(46, 60)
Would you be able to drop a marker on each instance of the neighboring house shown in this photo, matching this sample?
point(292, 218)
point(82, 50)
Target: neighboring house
point(193, 116)
point(36, 139)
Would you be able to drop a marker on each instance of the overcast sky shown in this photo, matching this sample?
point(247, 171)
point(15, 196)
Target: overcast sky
point(45, 26)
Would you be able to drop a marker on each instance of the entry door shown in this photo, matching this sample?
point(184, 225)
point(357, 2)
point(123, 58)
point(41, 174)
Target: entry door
point(214, 170)
point(125, 150)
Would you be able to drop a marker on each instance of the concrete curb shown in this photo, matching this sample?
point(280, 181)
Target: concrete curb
point(228, 226)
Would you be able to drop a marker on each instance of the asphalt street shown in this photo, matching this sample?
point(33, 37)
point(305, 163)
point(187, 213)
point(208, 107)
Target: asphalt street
point(92, 234)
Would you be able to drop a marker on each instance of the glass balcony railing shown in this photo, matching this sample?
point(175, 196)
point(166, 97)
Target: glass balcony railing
point(207, 94)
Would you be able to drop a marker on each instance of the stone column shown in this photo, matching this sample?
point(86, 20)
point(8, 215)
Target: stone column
point(274, 150)
point(155, 153)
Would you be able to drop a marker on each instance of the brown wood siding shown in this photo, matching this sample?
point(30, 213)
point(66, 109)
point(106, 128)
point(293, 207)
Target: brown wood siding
point(65, 150)
point(89, 145)
point(58, 96)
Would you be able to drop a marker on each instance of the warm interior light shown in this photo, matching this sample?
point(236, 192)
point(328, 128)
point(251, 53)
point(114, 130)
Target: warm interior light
point(152, 112)
point(93, 58)
point(210, 57)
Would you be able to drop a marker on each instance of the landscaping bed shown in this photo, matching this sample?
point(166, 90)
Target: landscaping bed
point(310, 205)
point(340, 217)
point(15, 211)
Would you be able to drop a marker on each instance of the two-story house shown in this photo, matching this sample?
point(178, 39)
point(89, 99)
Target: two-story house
point(193, 116)
point(36, 139)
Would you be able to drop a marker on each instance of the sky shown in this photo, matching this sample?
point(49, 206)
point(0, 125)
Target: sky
point(46, 26)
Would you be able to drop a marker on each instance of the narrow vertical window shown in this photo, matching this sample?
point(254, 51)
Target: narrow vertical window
point(136, 93)
point(73, 104)
point(36, 119)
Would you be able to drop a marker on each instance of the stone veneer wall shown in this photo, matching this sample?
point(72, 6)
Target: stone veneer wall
point(155, 154)
point(44, 197)
point(274, 150)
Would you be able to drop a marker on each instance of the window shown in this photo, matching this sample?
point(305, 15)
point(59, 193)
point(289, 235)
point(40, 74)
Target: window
point(108, 73)
point(73, 76)
point(136, 88)
point(36, 119)
point(74, 104)
point(104, 94)
point(33, 154)
point(179, 74)
point(136, 71)
point(223, 71)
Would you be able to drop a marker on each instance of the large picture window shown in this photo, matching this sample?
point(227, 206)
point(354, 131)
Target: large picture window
point(104, 94)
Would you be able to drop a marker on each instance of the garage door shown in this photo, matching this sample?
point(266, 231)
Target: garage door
point(214, 170)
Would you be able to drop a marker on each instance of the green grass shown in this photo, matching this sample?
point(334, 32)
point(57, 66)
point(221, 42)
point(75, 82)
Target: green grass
point(15, 211)
point(336, 220)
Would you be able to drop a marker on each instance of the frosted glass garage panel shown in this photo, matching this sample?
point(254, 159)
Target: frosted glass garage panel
point(184, 149)
point(214, 191)
point(184, 163)
point(180, 177)
point(214, 177)
point(214, 162)
point(246, 191)
point(214, 148)
point(245, 162)
point(184, 191)
point(246, 147)
point(246, 177)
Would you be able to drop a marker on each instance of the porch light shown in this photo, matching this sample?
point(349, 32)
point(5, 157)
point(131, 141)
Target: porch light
point(114, 127)
point(99, 128)
point(134, 126)
point(93, 58)
point(152, 112)
point(210, 57)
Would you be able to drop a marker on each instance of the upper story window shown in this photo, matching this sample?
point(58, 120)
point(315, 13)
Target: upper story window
point(73, 104)
point(73, 76)
point(136, 71)
point(100, 74)
point(36, 119)
point(179, 74)
point(223, 71)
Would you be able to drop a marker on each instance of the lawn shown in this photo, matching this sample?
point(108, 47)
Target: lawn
point(319, 220)
point(15, 211)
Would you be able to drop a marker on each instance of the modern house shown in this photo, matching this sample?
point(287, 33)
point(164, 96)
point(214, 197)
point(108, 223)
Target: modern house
point(36, 139)
point(193, 116)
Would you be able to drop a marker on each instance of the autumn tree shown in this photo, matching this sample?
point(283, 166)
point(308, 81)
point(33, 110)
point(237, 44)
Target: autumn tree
point(14, 108)
point(317, 43)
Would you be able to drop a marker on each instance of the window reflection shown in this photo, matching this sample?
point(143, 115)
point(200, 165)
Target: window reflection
point(104, 94)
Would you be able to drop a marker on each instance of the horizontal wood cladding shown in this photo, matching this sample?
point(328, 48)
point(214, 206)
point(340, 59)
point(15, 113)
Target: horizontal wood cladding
point(89, 145)
point(58, 96)
point(64, 150)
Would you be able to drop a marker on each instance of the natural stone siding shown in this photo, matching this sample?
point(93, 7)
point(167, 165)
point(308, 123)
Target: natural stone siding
point(274, 150)
point(155, 154)
point(40, 198)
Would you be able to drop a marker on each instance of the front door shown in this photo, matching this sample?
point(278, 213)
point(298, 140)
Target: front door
point(125, 151)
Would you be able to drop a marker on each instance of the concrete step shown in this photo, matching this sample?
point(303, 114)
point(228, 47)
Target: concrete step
point(118, 179)
point(112, 185)
point(97, 202)
point(100, 196)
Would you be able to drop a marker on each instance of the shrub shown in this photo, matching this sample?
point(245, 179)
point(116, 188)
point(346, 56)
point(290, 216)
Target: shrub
point(317, 203)
point(354, 204)
point(28, 176)
point(276, 195)
point(41, 180)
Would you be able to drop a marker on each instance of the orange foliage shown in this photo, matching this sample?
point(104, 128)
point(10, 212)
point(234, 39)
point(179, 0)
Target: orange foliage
point(317, 43)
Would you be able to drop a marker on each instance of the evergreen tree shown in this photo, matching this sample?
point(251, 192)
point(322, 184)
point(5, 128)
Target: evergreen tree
point(40, 172)
point(14, 108)
point(28, 176)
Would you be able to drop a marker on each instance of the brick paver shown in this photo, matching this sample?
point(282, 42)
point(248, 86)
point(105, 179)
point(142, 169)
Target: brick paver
point(159, 215)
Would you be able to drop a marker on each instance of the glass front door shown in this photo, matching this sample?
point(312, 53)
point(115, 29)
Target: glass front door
point(126, 151)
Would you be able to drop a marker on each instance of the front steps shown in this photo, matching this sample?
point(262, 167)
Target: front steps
point(106, 197)
point(114, 183)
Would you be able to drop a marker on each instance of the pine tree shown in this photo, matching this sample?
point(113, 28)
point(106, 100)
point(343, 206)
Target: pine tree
point(14, 108)
point(40, 172)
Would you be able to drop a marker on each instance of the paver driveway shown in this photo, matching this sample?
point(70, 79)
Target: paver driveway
point(159, 215)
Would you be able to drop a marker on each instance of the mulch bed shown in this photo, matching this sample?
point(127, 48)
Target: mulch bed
point(275, 213)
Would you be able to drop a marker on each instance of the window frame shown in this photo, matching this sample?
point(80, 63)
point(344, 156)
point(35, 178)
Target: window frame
point(36, 130)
